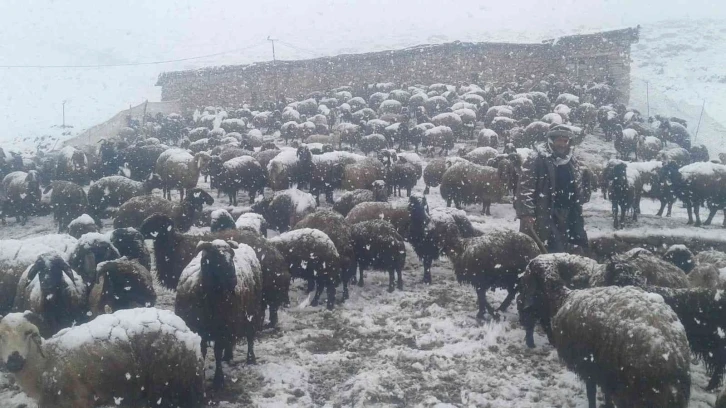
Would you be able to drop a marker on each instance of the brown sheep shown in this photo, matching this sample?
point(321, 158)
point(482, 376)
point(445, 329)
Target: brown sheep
point(350, 199)
point(133, 212)
point(362, 174)
point(370, 211)
point(471, 183)
point(434, 171)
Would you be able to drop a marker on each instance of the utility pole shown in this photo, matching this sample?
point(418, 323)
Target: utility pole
point(64, 114)
point(274, 67)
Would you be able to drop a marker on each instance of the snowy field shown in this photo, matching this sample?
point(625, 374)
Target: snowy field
point(420, 347)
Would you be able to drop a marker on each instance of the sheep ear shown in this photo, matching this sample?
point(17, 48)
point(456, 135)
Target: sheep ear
point(233, 244)
point(34, 318)
point(204, 245)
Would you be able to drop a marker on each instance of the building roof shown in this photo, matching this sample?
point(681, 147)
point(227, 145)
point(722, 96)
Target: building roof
point(627, 35)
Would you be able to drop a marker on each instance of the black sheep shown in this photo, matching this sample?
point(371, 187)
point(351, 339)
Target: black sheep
point(377, 245)
point(130, 243)
point(621, 194)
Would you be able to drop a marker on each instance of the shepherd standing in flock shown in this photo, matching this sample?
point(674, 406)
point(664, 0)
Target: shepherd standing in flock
point(550, 196)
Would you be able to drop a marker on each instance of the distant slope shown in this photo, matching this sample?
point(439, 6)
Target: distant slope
point(684, 62)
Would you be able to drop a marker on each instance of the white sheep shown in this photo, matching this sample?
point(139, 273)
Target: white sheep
point(137, 357)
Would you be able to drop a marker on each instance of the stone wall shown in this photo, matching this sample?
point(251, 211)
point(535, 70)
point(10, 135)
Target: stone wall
point(597, 56)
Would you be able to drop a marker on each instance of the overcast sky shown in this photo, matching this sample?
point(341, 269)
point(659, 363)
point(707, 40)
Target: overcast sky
point(88, 32)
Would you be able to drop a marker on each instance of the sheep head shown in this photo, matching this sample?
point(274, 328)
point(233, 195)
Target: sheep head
point(199, 197)
point(218, 268)
point(621, 273)
point(153, 182)
point(157, 226)
point(19, 340)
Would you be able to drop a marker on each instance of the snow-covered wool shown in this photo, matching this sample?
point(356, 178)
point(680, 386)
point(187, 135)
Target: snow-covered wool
point(439, 136)
point(130, 243)
point(487, 137)
point(626, 142)
point(265, 156)
point(678, 155)
point(91, 249)
point(372, 143)
point(435, 169)
point(449, 119)
point(241, 173)
point(648, 147)
point(312, 256)
point(133, 212)
point(252, 222)
point(198, 134)
point(338, 230)
point(654, 270)
point(701, 311)
point(493, 260)
point(234, 125)
point(497, 111)
point(568, 99)
point(178, 169)
point(481, 155)
point(220, 220)
point(275, 272)
point(553, 119)
point(82, 225)
point(436, 104)
point(522, 107)
point(402, 175)
point(362, 174)
point(286, 208)
point(219, 297)
point(68, 201)
point(72, 166)
point(93, 364)
point(564, 111)
point(113, 191)
point(377, 245)
point(20, 195)
point(15, 257)
point(701, 183)
point(328, 172)
point(350, 199)
point(612, 336)
point(50, 288)
point(390, 106)
point(468, 183)
point(283, 169)
point(122, 284)
point(289, 130)
point(464, 105)
point(369, 211)
point(716, 258)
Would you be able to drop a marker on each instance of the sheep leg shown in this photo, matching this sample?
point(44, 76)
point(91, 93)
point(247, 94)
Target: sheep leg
point(360, 281)
point(330, 291)
point(427, 269)
point(662, 207)
point(408, 192)
point(615, 215)
point(481, 294)
point(181, 194)
point(507, 300)
point(689, 209)
point(311, 285)
point(711, 214)
point(218, 382)
point(696, 211)
point(251, 359)
point(591, 387)
point(400, 279)
point(346, 295)
point(716, 377)
point(487, 208)
point(391, 280)
point(623, 211)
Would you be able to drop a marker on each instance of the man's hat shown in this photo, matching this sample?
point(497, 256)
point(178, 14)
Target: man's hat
point(560, 131)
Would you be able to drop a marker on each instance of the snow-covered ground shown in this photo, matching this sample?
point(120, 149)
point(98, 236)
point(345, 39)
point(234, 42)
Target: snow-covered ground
point(419, 347)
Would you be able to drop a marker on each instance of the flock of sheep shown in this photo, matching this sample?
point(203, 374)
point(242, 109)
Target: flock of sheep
point(86, 293)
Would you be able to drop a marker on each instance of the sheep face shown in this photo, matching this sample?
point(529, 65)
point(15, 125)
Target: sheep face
point(19, 340)
point(218, 268)
point(199, 198)
point(156, 226)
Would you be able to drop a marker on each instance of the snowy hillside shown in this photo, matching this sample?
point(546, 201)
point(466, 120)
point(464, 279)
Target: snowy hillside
point(684, 63)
